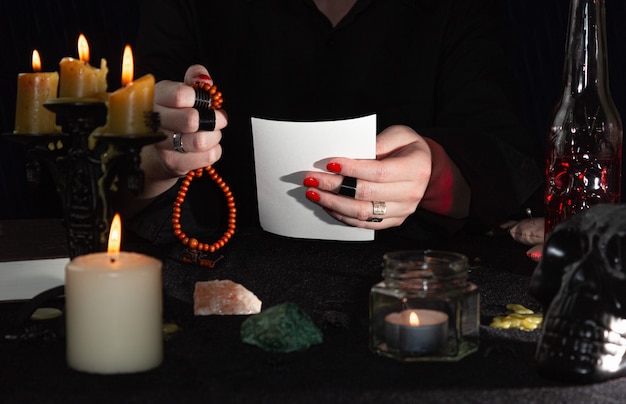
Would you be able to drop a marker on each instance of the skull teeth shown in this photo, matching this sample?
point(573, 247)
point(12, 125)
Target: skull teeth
point(583, 343)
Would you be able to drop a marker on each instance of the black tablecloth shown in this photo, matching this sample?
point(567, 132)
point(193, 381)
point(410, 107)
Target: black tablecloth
point(207, 361)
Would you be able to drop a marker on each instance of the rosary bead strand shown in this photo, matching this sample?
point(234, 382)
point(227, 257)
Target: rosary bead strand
point(207, 96)
point(193, 243)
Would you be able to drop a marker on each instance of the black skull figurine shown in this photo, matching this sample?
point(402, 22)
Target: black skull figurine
point(581, 282)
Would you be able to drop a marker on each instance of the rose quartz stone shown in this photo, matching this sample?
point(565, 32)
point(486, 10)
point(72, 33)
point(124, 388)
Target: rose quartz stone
point(224, 298)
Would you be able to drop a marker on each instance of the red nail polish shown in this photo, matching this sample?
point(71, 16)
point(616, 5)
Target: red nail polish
point(311, 182)
point(312, 195)
point(334, 167)
point(203, 77)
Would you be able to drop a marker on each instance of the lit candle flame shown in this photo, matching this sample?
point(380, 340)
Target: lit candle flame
point(83, 49)
point(127, 66)
point(115, 237)
point(36, 61)
point(414, 319)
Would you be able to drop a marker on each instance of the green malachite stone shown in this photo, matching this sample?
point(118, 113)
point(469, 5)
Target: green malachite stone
point(282, 328)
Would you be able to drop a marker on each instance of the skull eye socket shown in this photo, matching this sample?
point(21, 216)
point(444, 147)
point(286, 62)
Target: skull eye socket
point(563, 248)
point(615, 253)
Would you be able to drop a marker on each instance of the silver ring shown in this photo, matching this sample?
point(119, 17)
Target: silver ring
point(177, 139)
point(379, 208)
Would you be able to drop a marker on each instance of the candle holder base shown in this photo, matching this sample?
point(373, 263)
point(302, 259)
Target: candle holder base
point(124, 157)
point(84, 171)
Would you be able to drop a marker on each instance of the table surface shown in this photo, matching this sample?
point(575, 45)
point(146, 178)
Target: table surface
point(207, 361)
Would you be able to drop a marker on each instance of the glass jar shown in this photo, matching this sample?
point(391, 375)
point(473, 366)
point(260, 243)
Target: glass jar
point(424, 309)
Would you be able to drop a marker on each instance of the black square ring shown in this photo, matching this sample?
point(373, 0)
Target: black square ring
point(203, 99)
point(348, 187)
point(207, 119)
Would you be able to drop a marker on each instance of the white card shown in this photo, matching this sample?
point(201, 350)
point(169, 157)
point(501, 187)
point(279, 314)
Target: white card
point(284, 151)
point(23, 280)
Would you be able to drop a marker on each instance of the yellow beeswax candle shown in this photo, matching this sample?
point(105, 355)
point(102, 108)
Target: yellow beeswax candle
point(130, 106)
point(114, 311)
point(33, 90)
point(81, 80)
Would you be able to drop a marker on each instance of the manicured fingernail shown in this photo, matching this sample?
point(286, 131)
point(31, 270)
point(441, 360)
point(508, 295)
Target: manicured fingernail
point(203, 77)
point(312, 195)
point(311, 182)
point(334, 167)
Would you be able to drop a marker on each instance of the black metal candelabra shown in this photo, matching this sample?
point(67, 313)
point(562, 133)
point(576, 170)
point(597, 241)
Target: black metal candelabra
point(86, 167)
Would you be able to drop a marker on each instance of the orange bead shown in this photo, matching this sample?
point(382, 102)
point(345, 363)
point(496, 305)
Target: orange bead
point(193, 243)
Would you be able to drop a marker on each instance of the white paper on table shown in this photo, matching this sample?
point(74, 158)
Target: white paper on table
point(284, 151)
point(23, 280)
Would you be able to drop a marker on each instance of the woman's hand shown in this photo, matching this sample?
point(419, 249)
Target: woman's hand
point(409, 171)
point(161, 162)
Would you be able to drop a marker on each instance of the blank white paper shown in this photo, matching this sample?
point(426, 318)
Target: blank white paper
point(23, 280)
point(284, 151)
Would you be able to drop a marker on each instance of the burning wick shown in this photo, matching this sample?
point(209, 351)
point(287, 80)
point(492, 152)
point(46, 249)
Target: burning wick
point(115, 238)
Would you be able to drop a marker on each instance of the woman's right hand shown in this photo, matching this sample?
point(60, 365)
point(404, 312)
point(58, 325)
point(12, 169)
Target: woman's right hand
point(161, 162)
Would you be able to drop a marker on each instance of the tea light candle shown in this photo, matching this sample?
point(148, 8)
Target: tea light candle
point(417, 331)
point(128, 105)
point(114, 310)
point(81, 80)
point(33, 90)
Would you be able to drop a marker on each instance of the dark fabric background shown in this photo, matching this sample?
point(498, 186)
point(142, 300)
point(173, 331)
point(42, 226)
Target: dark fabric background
point(537, 37)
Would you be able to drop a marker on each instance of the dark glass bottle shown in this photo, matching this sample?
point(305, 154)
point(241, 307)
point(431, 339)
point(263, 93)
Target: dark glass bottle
point(584, 148)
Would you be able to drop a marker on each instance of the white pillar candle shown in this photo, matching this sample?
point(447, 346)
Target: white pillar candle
point(114, 312)
point(417, 331)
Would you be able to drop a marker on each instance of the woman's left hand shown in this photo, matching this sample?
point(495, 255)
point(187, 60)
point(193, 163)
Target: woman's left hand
point(409, 171)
